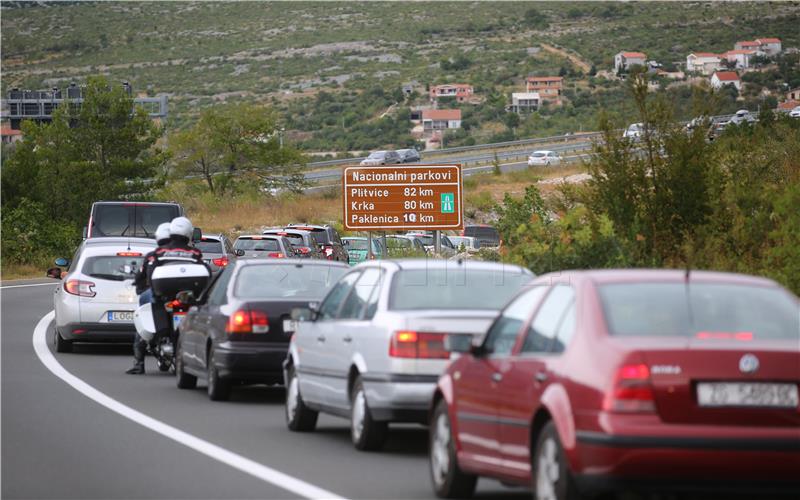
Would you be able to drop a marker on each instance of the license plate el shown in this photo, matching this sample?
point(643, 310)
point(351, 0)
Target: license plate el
point(747, 394)
point(289, 326)
point(120, 316)
point(176, 320)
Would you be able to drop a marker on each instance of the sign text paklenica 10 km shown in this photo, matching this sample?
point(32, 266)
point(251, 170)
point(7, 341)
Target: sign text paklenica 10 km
point(396, 197)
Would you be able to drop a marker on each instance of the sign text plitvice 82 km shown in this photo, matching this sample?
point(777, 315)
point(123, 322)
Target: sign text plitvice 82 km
point(396, 197)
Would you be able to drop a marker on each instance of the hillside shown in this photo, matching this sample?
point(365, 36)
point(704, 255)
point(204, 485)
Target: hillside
point(335, 68)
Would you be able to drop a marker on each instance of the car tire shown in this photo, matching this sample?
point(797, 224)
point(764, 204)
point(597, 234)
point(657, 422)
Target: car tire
point(367, 434)
point(550, 475)
point(183, 379)
point(299, 417)
point(448, 480)
point(219, 389)
point(60, 343)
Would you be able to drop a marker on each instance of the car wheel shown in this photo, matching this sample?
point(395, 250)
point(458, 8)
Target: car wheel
point(184, 380)
point(449, 481)
point(550, 473)
point(366, 433)
point(218, 389)
point(60, 344)
point(299, 417)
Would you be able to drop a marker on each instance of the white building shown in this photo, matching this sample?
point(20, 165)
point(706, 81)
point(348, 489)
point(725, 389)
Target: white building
point(524, 102)
point(722, 78)
point(703, 62)
point(440, 119)
point(769, 46)
point(624, 60)
point(741, 58)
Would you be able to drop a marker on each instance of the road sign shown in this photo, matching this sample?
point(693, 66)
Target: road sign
point(397, 197)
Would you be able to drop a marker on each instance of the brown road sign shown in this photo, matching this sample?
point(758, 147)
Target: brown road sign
point(397, 197)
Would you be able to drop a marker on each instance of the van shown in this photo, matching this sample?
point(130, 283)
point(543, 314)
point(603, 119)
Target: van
point(123, 218)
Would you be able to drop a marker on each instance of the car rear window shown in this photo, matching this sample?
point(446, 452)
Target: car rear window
point(114, 267)
point(700, 310)
point(320, 235)
point(286, 281)
point(483, 233)
point(209, 246)
point(426, 240)
point(139, 220)
point(251, 245)
point(399, 243)
point(456, 288)
point(356, 244)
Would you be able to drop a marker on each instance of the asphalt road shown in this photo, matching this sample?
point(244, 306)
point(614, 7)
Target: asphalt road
point(58, 443)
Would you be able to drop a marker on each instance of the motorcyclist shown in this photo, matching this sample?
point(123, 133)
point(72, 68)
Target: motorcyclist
point(142, 283)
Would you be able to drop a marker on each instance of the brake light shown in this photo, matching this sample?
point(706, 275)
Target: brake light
point(247, 321)
point(631, 392)
point(221, 262)
point(129, 254)
point(725, 336)
point(80, 288)
point(275, 255)
point(304, 250)
point(424, 345)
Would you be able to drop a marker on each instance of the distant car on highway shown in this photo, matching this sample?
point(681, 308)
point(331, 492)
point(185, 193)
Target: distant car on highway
point(217, 251)
point(357, 247)
point(742, 116)
point(303, 242)
point(487, 235)
point(795, 113)
point(239, 330)
point(470, 243)
point(96, 298)
point(372, 350)
point(591, 380)
point(408, 155)
point(123, 218)
point(635, 131)
point(398, 246)
point(545, 158)
point(270, 246)
point(327, 238)
point(382, 158)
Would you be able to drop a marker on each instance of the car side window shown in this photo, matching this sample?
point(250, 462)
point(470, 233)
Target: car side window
point(565, 330)
point(332, 303)
point(545, 326)
point(359, 298)
point(504, 331)
point(218, 294)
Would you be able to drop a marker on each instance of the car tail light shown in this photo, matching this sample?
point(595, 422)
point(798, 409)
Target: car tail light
point(632, 391)
point(724, 336)
point(275, 255)
point(221, 262)
point(80, 288)
point(304, 250)
point(328, 252)
point(409, 344)
point(129, 254)
point(248, 321)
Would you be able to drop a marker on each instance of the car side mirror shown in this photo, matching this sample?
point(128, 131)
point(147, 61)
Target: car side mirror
point(239, 252)
point(186, 297)
point(197, 234)
point(458, 342)
point(54, 272)
point(62, 262)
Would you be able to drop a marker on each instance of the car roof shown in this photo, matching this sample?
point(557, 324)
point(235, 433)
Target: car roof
point(111, 250)
point(355, 238)
point(416, 264)
point(136, 203)
point(608, 276)
point(312, 226)
point(217, 236)
point(259, 237)
point(240, 262)
point(544, 151)
point(118, 241)
point(286, 230)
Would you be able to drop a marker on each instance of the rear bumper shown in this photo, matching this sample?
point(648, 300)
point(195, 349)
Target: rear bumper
point(251, 361)
point(98, 332)
point(399, 398)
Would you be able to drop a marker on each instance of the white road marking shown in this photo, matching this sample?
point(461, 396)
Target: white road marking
point(255, 469)
point(23, 286)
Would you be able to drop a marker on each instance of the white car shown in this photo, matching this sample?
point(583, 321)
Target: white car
point(381, 158)
point(470, 243)
point(546, 158)
point(96, 298)
point(795, 113)
point(373, 349)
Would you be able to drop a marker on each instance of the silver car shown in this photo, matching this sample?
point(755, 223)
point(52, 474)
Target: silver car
point(373, 349)
point(382, 158)
point(96, 298)
point(217, 251)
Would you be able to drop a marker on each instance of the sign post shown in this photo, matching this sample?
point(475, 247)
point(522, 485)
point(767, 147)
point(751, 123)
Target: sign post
point(403, 197)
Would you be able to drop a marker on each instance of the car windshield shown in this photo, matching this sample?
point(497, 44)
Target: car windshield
point(701, 310)
point(209, 246)
point(286, 281)
point(320, 236)
point(112, 267)
point(377, 155)
point(251, 245)
point(483, 233)
point(455, 288)
point(130, 219)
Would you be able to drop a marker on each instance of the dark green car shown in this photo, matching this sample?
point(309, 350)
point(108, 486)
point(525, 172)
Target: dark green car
point(356, 247)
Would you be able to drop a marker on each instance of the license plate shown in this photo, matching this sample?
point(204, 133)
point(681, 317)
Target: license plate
point(120, 316)
point(176, 320)
point(752, 394)
point(289, 326)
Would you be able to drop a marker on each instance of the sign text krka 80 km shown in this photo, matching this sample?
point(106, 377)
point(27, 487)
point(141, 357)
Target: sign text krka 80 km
point(397, 197)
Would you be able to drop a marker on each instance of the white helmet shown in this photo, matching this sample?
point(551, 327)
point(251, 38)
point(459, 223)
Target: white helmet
point(181, 226)
point(162, 231)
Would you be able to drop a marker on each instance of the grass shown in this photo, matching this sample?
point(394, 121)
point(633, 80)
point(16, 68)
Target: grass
point(11, 271)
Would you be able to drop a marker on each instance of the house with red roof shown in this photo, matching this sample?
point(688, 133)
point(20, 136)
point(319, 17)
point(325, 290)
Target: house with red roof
point(440, 119)
point(624, 60)
point(461, 91)
point(9, 135)
point(721, 78)
point(704, 63)
point(769, 46)
point(740, 58)
point(747, 45)
point(548, 87)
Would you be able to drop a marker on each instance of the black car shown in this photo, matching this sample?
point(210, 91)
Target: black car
point(303, 242)
point(238, 332)
point(328, 241)
point(408, 155)
point(485, 234)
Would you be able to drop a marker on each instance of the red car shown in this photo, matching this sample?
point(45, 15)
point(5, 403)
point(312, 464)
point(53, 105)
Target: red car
point(591, 381)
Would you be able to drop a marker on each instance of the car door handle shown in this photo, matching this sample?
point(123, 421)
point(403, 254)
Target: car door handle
point(347, 338)
point(541, 376)
point(497, 376)
point(321, 338)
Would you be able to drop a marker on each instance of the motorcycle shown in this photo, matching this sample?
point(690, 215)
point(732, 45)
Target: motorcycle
point(173, 279)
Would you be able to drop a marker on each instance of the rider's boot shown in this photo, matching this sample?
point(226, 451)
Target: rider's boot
point(138, 356)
